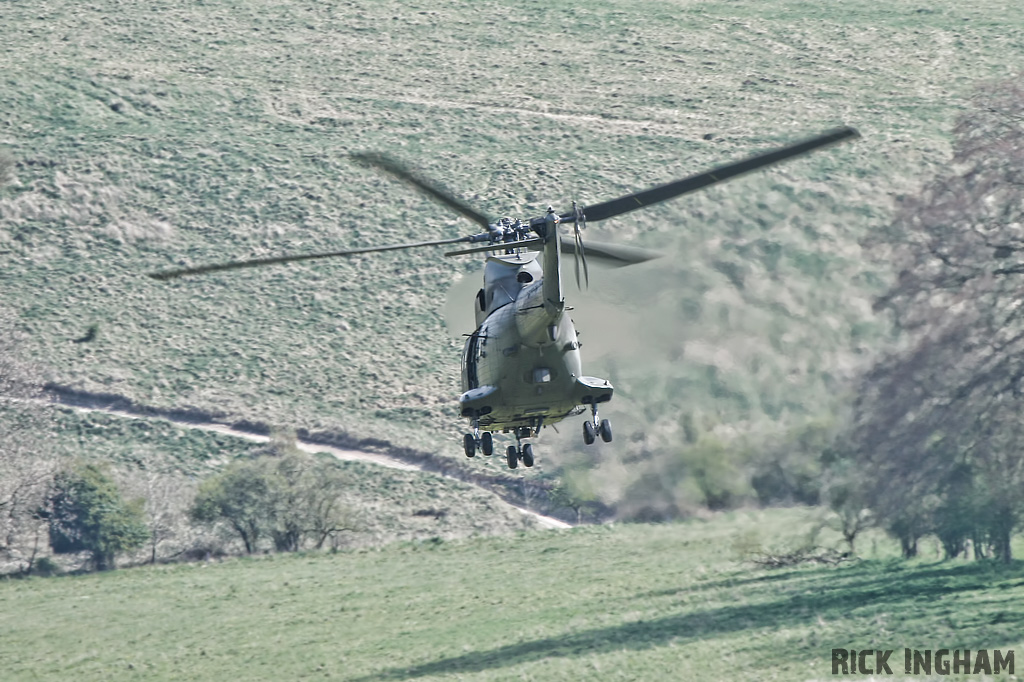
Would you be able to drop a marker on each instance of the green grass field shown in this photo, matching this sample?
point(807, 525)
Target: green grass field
point(627, 602)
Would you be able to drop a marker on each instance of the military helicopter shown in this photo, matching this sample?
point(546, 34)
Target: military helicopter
point(521, 366)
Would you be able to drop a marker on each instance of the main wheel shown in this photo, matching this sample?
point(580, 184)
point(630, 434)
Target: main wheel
point(588, 433)
point(606, 431)
point(528, 455)
point(512, 456)
point(487, 443)
point(470, 444)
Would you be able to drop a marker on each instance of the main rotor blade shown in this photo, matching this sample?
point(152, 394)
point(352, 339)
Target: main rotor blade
point(497, 246)
point(257, 262)
point(611, 254)
point(632, 202)
point(386, 163)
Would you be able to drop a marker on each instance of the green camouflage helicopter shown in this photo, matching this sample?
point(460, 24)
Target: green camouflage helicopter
point(521, 367)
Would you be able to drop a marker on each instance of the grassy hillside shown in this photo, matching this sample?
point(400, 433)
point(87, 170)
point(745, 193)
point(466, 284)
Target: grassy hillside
point(622, 602)
point(146, 137)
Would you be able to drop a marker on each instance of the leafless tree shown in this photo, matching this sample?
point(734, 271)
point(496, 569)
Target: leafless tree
point(27, 456)
point(308, 496)
point(937, 420)
point(167, 495)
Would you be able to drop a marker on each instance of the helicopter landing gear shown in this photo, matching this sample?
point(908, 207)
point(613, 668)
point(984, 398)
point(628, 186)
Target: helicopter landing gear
point(519, 451)
point(588, 433)
point(513, 455)
point(528, 454)
point(472, 441)
point(591, 429)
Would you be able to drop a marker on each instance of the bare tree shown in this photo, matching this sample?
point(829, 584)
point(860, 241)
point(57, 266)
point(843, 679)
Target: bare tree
point(330, 514)
point(842, 489)
point(937, 420)
point(167, 496)
point(307, 496)
point(27, 456)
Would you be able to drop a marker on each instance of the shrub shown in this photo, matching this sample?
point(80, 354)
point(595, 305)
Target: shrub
point(87, 513)
point(45, 567)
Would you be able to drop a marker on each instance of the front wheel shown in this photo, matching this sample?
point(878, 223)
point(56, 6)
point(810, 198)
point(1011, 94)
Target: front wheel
point(469, 443)
point(487, 443)
point(606, 431)
point(528, 455)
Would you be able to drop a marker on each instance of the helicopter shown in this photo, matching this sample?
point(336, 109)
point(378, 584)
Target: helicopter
point(521, 366)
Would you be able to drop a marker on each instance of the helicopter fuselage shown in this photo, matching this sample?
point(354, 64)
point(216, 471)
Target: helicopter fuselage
point(521, 367)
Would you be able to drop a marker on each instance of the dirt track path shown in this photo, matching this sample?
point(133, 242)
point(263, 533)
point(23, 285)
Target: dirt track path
point(380, 459)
